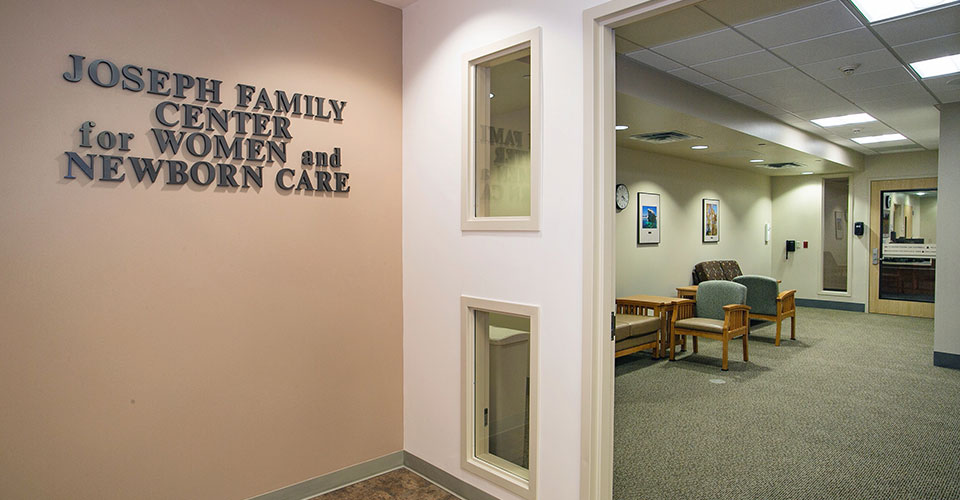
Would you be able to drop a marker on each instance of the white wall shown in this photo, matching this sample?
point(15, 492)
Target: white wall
point(797, 211)
point(440, 263)
point(659, 269)
point(946, 338)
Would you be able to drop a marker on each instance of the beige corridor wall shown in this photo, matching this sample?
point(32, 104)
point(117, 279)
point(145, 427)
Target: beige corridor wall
point(682, 184)
point(797, 209)
point(162, 341)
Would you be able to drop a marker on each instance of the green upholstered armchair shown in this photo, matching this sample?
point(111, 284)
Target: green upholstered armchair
point(720, 313)
point(767, 302)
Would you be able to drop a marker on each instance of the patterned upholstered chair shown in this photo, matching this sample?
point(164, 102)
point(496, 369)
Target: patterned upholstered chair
point(634, 333)
point(720, 313)
point(716, 270)
point(767, 302)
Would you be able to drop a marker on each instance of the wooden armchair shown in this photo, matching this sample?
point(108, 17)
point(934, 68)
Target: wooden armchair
point(767, 302)
point(720, 313)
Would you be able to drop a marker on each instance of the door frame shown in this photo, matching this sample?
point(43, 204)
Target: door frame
point(599, 149)
point(883, 306)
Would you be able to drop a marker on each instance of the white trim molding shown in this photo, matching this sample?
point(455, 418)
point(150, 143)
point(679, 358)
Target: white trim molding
point(469, 221)
point(521, 481)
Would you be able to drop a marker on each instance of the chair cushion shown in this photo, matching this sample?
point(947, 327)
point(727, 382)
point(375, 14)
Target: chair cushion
point(713, 295)
point(635, 341)
point(762, 293)
point(731, 269)
point(701, 324)
point(632, 325)
point(706, 271)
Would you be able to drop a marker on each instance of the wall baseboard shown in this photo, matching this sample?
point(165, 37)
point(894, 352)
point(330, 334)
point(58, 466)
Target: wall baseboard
point(349, 475)
point(946, 360)
point(832, 304)
point(448, 481)
point(336, 479)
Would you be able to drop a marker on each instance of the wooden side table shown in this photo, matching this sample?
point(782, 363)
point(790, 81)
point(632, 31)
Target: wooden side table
point(655, 304)
point(687, 292)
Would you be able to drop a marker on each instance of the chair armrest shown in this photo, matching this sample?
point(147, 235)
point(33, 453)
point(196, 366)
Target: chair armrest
point(786, 301)
point(683, 310)
point(735, 316)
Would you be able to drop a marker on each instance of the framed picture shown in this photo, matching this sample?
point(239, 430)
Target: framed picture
point(711, 220)
point(648, 218)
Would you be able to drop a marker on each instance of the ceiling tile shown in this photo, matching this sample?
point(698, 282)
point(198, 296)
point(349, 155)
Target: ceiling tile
point(910, 29)
point(946, 88)
point(826, 111)
point(624, 46)
point(710, 47)
point(735, 12)
point(860, 81)
point(722, 89)
point(650, 58)
point(865, 62)
point(801, 24)
point(929, 49)
point(669, 26)
point(692, 76)
point(802, 99)
point(948, 95)
point(866, 130)
point(782, 78)
point(757, 104)
point(739, 66)
point(855, 41)
point(911, 90)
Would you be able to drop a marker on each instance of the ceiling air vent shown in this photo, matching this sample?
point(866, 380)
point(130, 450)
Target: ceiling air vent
point(786, 164)
point(664, 137)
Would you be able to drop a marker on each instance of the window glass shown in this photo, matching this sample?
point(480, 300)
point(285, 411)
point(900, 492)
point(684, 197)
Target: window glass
point(502, 136)
point(836, 193)
point(502, 382)
point(908, 245)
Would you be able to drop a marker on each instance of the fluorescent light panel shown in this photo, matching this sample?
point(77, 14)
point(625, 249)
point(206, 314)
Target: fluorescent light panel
point(836, 121)
point(878, 138)
point(878, 10)
point(937, 67)
point(621, 127)
point(699, 147)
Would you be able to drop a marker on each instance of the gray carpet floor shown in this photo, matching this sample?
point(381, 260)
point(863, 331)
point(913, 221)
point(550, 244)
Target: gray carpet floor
point(853, 408)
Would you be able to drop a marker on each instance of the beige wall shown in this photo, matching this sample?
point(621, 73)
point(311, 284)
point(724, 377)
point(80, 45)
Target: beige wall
point(167, 342)
point(797, 209)
point(682, 184)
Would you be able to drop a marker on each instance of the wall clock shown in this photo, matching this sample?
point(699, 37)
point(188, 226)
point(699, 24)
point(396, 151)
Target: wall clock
point(623, 196)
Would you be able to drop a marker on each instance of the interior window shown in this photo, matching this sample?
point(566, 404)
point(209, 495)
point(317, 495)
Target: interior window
point(836, 195)
point(908, 245)
point(503, 136)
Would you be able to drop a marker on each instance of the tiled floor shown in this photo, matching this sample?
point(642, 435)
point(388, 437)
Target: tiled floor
point(400, 484)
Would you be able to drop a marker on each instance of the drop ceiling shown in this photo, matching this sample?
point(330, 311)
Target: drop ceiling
point(729, 148)
point(785, 59)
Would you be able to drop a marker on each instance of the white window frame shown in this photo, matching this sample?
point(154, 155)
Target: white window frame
point(468, 218)
point(503, 474)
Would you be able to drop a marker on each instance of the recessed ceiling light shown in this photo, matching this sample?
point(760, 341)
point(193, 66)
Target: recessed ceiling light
point(930, 68)
point(621, 127)
point(920, 193)
point(756, 161)
point(806, 173)
point(878, 10)
point(701, 146)
point(878, 138)
point(835, 121)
